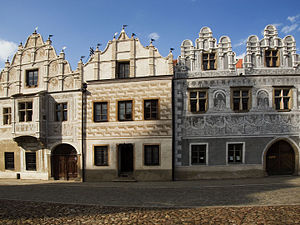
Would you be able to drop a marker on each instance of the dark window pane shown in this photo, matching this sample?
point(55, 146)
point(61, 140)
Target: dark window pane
point(101, 155)
point(286, 103)
point(9, 160)
point(193, 105)
point(30, 161)
point(198, 154)
point(151, 155)
point(202, 103)
point(277, 103)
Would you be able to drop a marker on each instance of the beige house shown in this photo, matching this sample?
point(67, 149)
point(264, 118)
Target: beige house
point(128, 112)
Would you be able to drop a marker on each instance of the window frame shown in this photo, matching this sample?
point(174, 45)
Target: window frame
point(101, 115)
point(241, 97)
point(198, 99)
point(34, 77)
point(282, 97)
point(270, 58)
point(6, 115)
point(61, 111)
point(8, 164)
point(156, 117)
point(26, 111)
point(104, 162)
point(118, 114)
point(30, 166)
point(126, 72)
point(206, 154)
point(208, 60)
point(152, 162)
point(242, 152)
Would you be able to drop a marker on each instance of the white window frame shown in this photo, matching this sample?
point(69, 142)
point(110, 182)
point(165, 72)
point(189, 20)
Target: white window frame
point(206, 152)
point(243, 152)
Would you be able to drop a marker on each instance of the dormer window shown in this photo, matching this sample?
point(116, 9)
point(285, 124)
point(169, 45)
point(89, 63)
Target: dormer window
point(272, 58)
point(122, 70)
point(32, 78)
point(208, 61)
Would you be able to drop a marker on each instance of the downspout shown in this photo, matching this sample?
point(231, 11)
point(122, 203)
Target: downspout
point(83, 98)
point(173, 129)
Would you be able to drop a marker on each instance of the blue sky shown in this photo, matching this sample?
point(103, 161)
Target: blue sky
point(79, 25)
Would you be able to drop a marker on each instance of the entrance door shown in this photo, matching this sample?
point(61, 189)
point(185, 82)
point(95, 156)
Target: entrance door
point(64, 162)
point(280, 159)
point(125, 158)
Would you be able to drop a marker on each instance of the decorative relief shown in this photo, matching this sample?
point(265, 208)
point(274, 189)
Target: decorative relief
point(262, 100)
point(255, 124)
point(219, 101)
point(22, 127)
point(61, 129)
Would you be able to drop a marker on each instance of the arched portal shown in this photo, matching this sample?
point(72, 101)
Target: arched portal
point(280, 159)
point(64, 162)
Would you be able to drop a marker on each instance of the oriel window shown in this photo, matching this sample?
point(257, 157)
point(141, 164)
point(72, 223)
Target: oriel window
point(61, 111)
point(25, 111)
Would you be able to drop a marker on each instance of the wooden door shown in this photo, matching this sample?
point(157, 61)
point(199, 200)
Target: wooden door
point(126, 158)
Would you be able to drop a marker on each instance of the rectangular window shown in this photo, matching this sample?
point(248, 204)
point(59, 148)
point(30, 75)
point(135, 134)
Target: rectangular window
point(282, 99)
point(235, 153)
point(124, 110)
point(30, 158)
point(151, 109)
point(198, 101)
point(31, 78)
point(151, 155)
point(6, 115)
point(61, 112)
point(122, 70)
point(9, 160)
point(240, 98)
point(272, 59)
point(100, 111)
point(101, 155)
point(209, 61)
point(25, 111)
point(198, 154)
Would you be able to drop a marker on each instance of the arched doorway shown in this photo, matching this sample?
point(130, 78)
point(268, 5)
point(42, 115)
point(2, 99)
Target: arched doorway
point(64, 162)
point(280, 159)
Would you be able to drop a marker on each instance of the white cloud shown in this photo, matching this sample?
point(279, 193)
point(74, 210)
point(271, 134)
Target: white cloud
point(241, 42)
point(7, 49)
point(286, 29)
point(293, 19)
point(277, 25)
point(154, 36)
point(241, 56)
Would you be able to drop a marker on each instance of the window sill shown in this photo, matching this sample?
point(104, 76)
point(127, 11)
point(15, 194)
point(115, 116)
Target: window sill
point(101, 121)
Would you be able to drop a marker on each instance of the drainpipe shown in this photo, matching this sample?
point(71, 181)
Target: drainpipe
point(173, 129)
point(83, 98)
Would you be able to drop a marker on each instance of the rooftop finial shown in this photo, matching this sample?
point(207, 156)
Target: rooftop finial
point(115, 35)
point(124, 26)
point(50, 36)
point(35, 29)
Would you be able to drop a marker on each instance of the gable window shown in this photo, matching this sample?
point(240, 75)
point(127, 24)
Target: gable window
point(30, 158)
point(198, 101)
point(61, 112)
point(151, 155)
point(240, 99)
point(272, 58)
point(101, 155)
point(209, 61)
point(100, 111)
point(151, 109)
point(198, 154)
point(25, 111)
point(6, 116)
point(124, 110)
point(123, 70)
point(282, 98)
point(235, 153)
point(9, 160)
point(31, 78)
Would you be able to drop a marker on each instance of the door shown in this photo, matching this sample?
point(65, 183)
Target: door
point(280, 159)
point(125, 158)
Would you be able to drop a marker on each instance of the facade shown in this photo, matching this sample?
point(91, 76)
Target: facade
point(128, 112)
point(237, 122)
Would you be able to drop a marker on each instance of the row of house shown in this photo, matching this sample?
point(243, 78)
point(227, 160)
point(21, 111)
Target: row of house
point(129, 113)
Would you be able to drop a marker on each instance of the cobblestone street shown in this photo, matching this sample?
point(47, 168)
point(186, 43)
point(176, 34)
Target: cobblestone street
point(272, 200)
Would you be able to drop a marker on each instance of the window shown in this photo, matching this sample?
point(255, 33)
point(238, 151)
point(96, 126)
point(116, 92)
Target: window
point(123, 70)
point(101, 155)
point(209, 61)
point(198, 154)
point(6, 116)
point(9, 160)
point(151, 109)
point(198, 100)
point(282, 98)
point(272, 59)
point(25, 111)
point(61, 112)
point(30, 158)
point(235, 153)
point(100, 111)
point(240, 98)
point(124, 110)
point(31, 78)
point(151, 155)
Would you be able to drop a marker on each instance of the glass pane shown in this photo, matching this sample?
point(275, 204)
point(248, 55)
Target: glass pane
point(65, 106)
point(193, 104)
point(202, 105)
point(245, 103)
point(205, 65)
point(277, 103)
point(29, 115)
point(286, 92)
point(277, 92)
point(205, 56)
point(202, 94)
point(65, 116)
point(211, 56)
point(286, 102)
point(236, 104)
point(212, 64)
point(236, 93)
point(193, 94)
point(245, 93)
point(29, 105)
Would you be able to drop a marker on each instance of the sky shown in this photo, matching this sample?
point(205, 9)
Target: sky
point(79, 25)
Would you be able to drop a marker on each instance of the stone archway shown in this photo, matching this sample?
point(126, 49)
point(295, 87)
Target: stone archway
point(280, 159)
point(64, 162)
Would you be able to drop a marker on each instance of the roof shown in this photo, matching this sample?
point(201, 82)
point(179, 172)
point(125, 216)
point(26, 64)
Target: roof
point(239, 64)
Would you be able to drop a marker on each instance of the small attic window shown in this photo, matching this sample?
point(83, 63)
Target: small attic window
point(122, 70)
point(272, 58)
point(32, 78)
point(208, 61)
